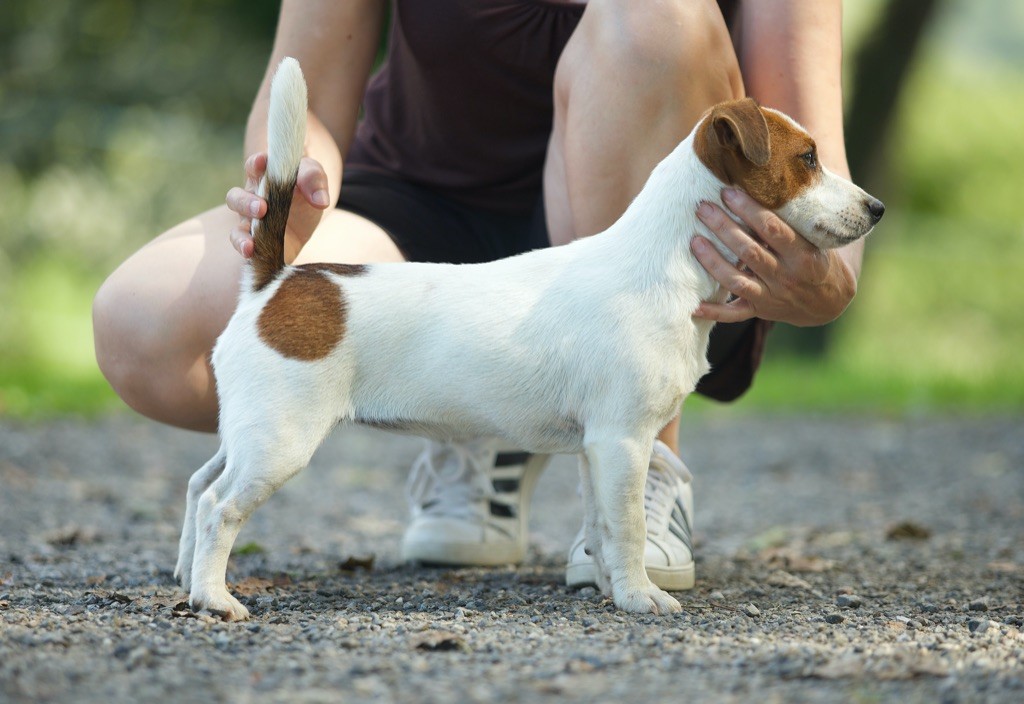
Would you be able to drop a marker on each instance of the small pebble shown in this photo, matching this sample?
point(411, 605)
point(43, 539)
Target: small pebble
point(978, 605)
point(751, 610)
point(834, 618)
point(849, 601)
point(978, 625)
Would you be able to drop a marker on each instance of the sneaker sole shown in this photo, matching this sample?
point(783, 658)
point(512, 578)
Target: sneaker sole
point(484, 554)
point(672, 579)
point(463, 555)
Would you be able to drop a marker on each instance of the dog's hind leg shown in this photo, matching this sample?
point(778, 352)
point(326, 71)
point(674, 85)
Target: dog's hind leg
point(256, 467)
point(199, 483)
point(618, 469)
point(591, 527)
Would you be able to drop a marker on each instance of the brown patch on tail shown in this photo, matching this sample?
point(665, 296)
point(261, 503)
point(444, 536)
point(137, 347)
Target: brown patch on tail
point(306, 317)
point(268, 240)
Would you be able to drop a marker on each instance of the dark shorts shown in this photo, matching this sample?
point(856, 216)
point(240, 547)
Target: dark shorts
point(428, 227)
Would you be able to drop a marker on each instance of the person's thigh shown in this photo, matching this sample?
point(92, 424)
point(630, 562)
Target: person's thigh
point(158, 315)
point(631, 83)
point(347, 238)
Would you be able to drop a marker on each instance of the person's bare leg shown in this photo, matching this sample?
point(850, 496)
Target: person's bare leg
point(156, 318)
point(670, 434)
point(630, 85)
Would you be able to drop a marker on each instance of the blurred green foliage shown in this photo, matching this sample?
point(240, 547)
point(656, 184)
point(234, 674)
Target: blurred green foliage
point(961, 145)
point(119, 119)
point(113, 106)
point(74, 71)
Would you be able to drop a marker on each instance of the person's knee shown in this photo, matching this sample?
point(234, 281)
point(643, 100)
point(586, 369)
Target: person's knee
point(115, 336)
point(131, 345)
point(665, 41)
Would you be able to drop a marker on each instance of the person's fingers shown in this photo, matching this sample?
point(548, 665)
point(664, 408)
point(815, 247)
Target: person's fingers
point(733, 312)
point(751, 253)
point(245, 203)
point(255, 167)
point(241, 238)
point(740, 283)
point(312, 183)
point(779, 236)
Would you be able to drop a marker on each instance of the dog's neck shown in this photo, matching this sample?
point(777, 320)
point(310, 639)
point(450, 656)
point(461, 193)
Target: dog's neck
point(656, 230)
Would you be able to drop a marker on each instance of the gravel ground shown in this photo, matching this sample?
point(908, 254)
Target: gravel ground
point(855, 559)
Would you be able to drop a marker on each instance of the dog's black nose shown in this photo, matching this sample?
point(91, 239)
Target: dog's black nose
point(876, 208)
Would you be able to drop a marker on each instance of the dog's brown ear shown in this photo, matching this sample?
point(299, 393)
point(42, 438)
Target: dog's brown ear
point(739, 125)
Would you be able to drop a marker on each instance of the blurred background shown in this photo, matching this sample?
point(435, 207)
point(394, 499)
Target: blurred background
point(119, 118)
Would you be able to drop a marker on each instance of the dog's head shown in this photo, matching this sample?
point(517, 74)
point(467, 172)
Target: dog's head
point(767, 154)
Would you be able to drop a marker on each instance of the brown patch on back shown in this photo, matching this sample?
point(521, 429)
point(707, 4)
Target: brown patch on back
point(306, 317)
point(776, 181)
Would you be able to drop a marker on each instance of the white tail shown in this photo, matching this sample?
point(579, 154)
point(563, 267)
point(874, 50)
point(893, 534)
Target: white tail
point(286, 140)
point(286, 123)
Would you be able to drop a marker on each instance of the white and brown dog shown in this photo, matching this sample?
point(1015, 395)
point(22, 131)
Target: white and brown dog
point(587, 348)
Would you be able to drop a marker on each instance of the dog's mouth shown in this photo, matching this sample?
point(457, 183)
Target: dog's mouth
point(836, 238)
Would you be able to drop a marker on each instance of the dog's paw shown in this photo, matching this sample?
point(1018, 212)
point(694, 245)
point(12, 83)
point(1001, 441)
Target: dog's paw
point(647, 600)
point(222, 605)
point(183, 576)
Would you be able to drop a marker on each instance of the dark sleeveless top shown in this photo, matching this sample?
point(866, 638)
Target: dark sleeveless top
point(463, 103)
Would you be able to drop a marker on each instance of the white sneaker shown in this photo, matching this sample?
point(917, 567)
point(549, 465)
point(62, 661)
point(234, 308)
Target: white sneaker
point(668, 554)
point(470, 504)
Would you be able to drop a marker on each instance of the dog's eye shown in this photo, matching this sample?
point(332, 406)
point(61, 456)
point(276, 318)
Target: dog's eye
point(811, 159)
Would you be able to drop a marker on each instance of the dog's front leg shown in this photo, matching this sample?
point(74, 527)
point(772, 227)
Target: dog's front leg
point(199, 483)
point(618, 469)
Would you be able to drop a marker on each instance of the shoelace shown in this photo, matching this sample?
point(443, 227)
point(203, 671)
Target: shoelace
point(456, 489)
point(660, 490)
point(659, 497)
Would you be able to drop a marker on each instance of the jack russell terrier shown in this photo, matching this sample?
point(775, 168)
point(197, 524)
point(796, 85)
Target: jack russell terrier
point(588, 348)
